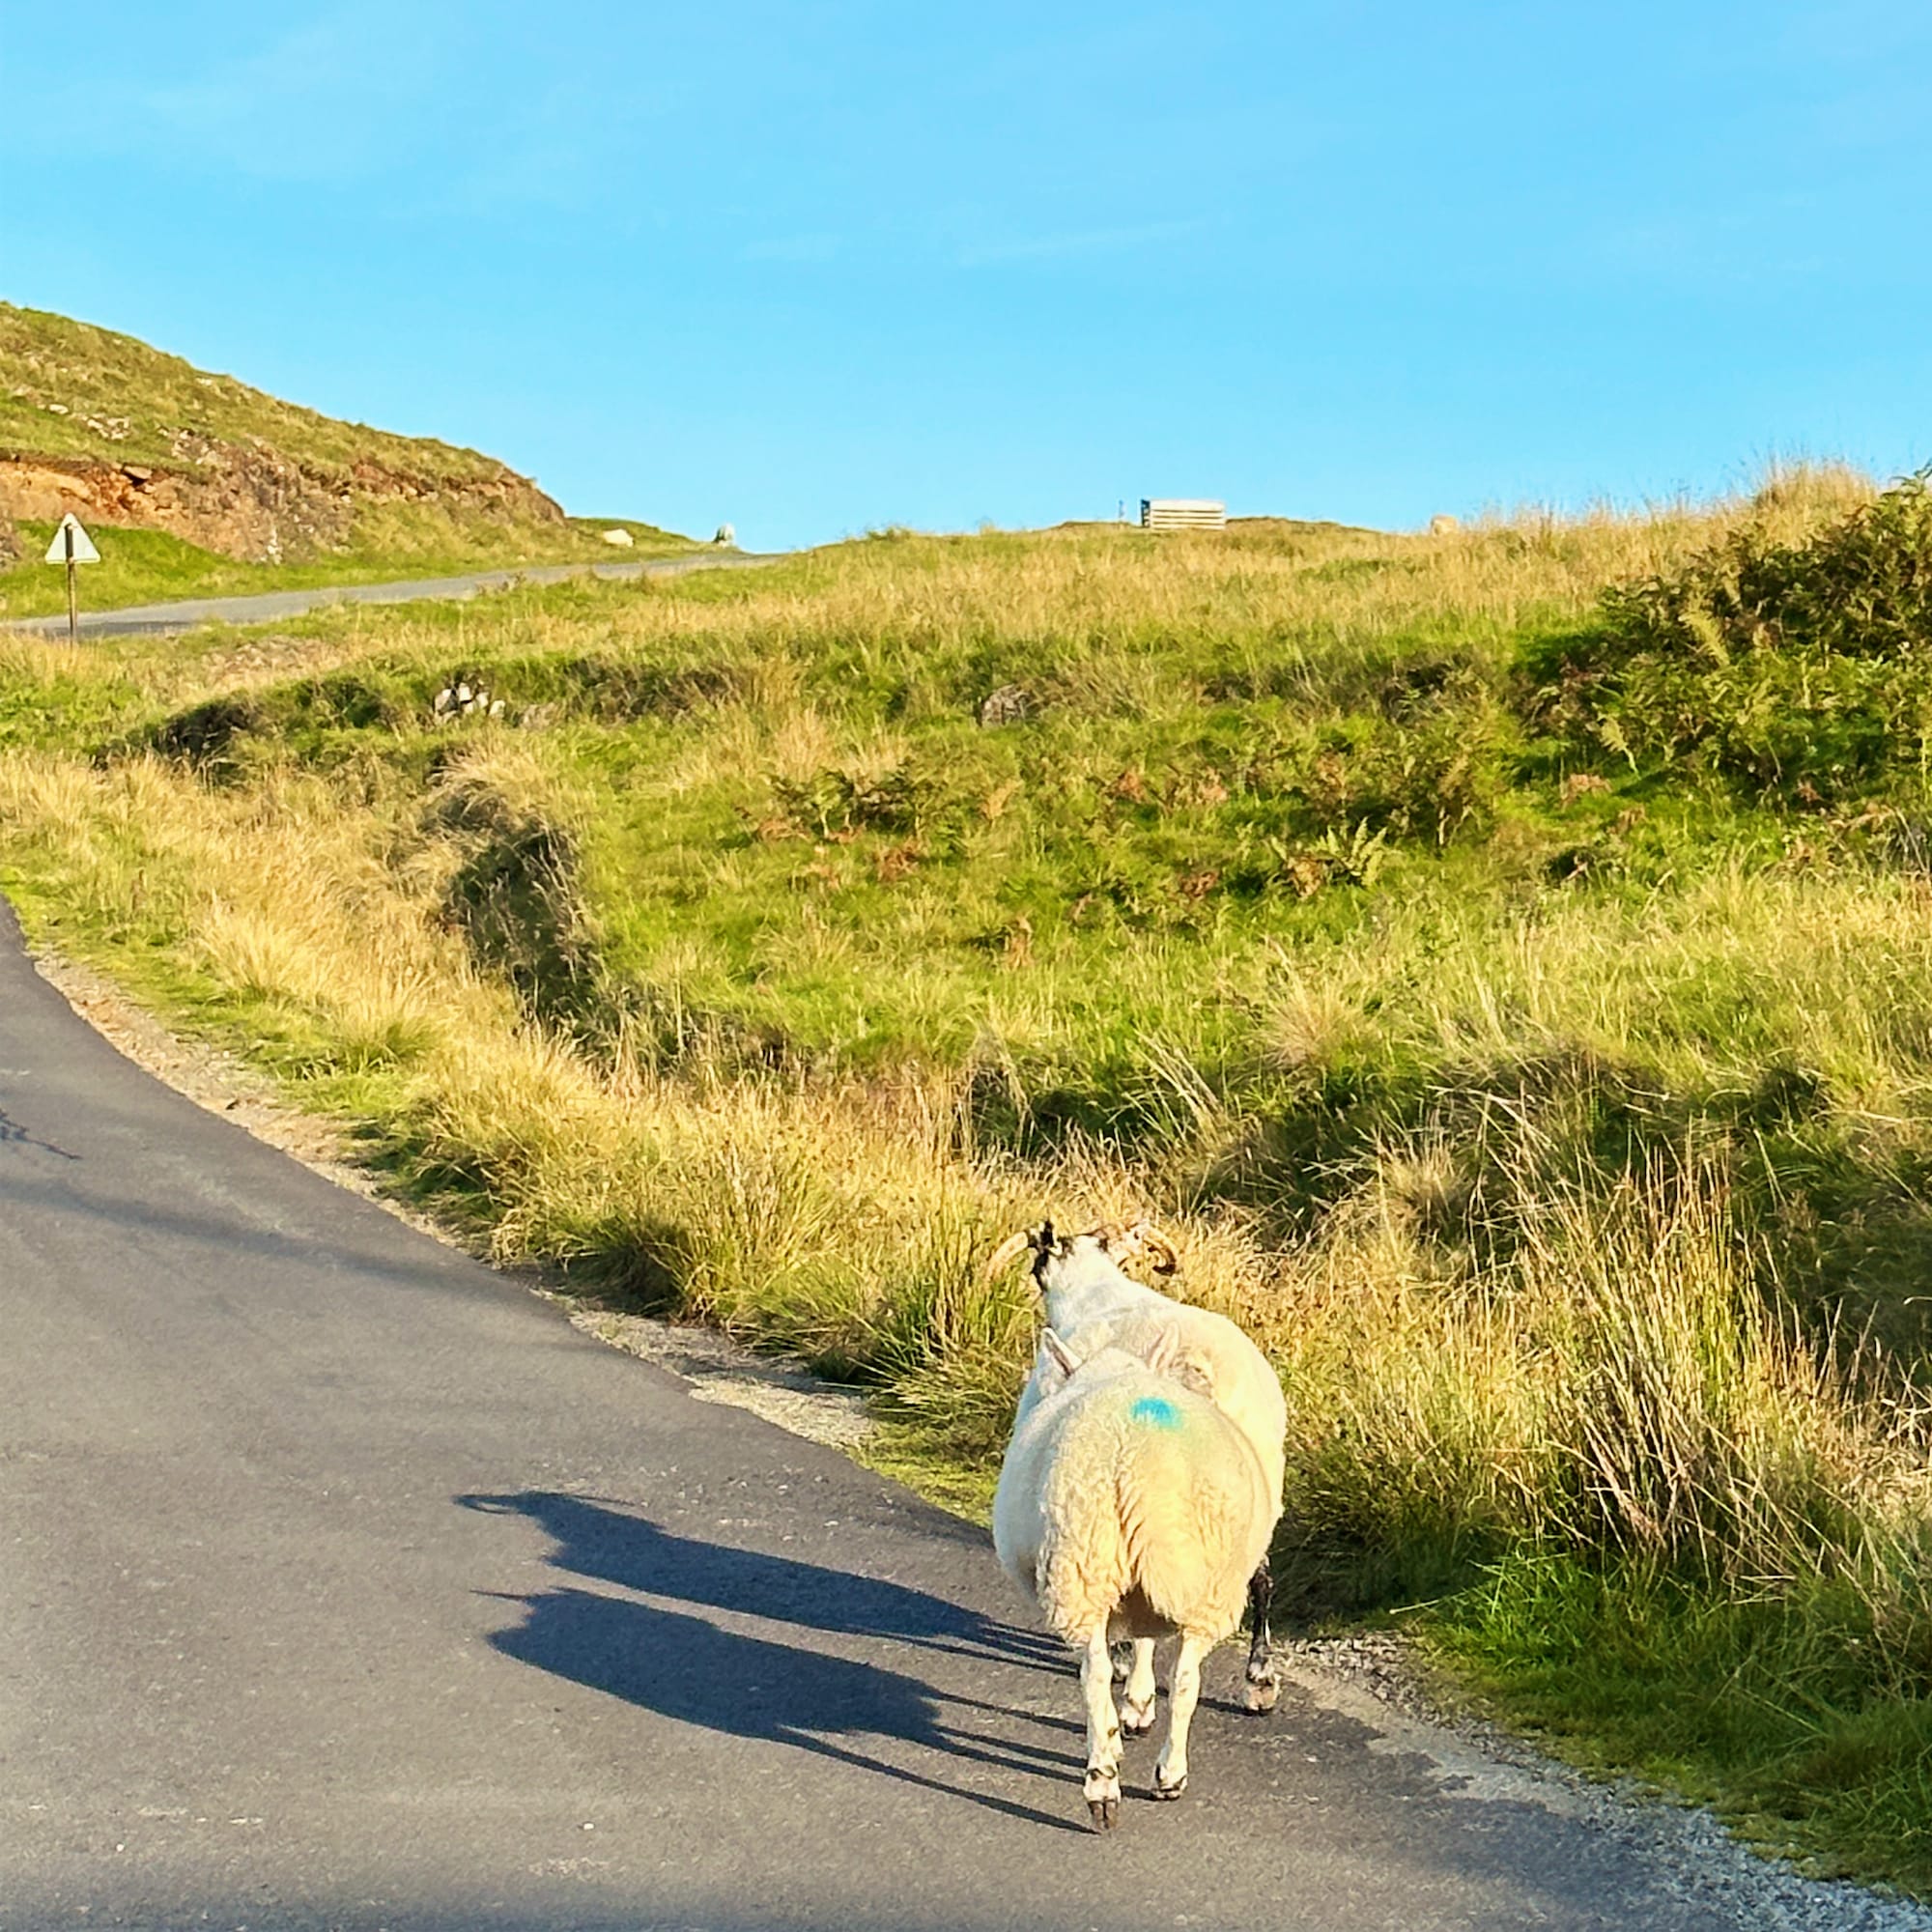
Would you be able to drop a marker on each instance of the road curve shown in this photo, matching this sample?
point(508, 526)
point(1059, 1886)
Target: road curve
point(139, 620)
point(344, 1584)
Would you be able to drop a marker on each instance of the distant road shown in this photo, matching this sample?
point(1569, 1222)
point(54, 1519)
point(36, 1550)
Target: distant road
point(157, 619)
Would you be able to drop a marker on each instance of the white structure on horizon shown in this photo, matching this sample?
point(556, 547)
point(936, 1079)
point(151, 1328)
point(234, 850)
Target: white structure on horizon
point(1183, 513)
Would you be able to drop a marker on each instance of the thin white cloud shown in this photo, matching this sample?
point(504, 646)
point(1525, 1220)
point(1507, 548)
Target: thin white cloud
point(1761, 239)
point(1076, 242)
point(792, 248)
point(330, 99)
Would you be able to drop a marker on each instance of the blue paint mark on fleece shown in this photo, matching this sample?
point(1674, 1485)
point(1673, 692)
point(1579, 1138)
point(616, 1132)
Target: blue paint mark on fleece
point(1157, 1412)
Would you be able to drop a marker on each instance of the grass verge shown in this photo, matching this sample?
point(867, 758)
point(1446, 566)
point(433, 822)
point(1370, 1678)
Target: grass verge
point(152, 567)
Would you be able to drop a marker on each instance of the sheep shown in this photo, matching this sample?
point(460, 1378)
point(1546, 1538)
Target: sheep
point(1129, 1506)
point(1092, 1302)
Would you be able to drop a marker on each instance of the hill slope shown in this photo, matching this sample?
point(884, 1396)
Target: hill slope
point(125, 436)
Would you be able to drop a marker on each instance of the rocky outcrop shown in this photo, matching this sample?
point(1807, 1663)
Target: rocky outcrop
point(246, 500)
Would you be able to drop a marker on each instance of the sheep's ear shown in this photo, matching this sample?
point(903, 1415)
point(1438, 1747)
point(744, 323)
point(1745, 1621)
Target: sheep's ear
point(1165, 1358)
point(1058, 1352)
point(1191, 1376)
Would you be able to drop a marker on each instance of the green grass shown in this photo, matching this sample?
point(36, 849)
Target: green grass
point(1547, 1088)
point(1767, 1711)
point(152, 567)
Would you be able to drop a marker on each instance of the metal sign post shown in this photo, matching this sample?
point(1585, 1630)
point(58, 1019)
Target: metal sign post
point(71, 545)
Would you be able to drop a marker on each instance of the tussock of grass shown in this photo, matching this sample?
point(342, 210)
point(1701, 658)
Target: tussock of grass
point(1562, 1128)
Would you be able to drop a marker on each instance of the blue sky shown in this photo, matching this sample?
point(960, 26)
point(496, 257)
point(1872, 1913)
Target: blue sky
point(828, 265)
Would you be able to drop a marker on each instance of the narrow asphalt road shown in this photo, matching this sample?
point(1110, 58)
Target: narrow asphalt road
point(344, 1584)
point(160, 619)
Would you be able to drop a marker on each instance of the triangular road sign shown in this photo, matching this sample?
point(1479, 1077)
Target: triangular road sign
point(72, 542)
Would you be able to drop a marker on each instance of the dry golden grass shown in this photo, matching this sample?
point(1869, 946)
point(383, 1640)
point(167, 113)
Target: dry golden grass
point(1618, 1377)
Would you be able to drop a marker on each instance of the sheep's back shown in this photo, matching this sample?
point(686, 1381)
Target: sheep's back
point(1198, 1344)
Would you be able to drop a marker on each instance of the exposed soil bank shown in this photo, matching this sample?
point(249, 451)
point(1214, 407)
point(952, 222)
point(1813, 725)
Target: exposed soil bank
point(251, 502)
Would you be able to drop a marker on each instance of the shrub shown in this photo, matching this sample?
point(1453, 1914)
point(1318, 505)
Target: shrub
point(1797, 667)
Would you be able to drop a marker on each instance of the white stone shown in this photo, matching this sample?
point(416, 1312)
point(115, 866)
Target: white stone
point(623, 539)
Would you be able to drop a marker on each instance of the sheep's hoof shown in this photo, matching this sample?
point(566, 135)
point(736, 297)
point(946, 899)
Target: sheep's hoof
point(1173, 1790)
point(1137, 1720)
point(1106, 1812)
point(1259, 1693)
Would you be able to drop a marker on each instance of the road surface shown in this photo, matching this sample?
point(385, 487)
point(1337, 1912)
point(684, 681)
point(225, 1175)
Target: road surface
point(160, 619)
point(344, 1584)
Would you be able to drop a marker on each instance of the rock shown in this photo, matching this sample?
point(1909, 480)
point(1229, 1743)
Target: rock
point(1442, 526)
point(621, 539)
point(1008, 705)
point(726, 535)
point(462, 699)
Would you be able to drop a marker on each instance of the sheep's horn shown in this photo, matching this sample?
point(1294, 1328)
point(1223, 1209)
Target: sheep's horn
point(1146, 1235)
point(1008, 1252)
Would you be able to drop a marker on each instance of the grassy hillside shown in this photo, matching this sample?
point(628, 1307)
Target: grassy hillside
point(68, 388)
point(1501, 958)
point(196, 484)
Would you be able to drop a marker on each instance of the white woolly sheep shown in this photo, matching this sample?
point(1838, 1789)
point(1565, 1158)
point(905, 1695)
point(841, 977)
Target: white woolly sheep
point(1092, 1303)
point(1130, 1506)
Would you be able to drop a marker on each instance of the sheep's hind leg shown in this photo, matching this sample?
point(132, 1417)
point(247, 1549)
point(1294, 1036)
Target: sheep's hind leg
point(1264, 1680)
point(1102, 1786)
point(1170, 1774)
point(1137, 1699)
